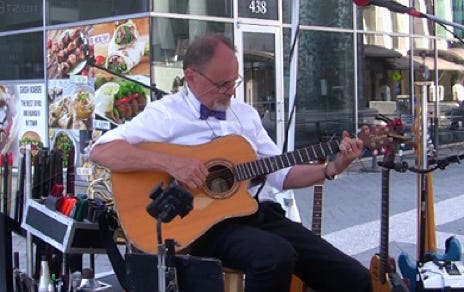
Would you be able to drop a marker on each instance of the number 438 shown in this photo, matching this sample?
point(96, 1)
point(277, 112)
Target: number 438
point(257, 6)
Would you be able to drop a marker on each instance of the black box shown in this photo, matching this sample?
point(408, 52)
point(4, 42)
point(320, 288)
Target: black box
point(60, 231)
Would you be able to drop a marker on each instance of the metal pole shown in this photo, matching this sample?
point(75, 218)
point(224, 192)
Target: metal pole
point(28, 193)
point(293, 73)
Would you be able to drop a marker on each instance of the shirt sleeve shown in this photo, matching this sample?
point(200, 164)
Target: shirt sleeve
point(138, 130)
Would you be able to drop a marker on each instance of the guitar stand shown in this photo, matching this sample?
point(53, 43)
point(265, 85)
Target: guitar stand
point(431, 272)
point(165, 205)
point(167, 273)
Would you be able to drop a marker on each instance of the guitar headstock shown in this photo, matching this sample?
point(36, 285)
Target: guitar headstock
point(376, 138)
point(382, 138)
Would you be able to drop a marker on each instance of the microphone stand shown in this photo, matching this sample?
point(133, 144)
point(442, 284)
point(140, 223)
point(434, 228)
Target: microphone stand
point(165, 205)
point(442, 21)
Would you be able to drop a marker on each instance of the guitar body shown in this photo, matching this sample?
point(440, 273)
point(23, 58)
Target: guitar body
point(131, 195)
point(390, 282)
point(408, 266)
point(231, 162)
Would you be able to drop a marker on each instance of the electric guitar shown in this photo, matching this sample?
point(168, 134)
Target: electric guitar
point(426, 221)
point(231, 162)
point(382, 267)
point(316, 226)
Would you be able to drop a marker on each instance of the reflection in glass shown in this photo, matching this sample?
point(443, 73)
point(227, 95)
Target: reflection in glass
point(168, 47)
point(333, 13)
point(195, 7)
point(66, 11)
point(259, 76)
point(324, 86)
point(25, 56)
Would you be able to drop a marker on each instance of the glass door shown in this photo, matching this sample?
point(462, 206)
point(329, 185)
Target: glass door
point(259, 50)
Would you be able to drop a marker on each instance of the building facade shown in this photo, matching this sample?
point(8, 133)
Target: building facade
point(352, 62)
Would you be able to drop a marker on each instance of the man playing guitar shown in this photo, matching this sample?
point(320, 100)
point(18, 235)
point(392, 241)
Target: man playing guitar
point(205, 141)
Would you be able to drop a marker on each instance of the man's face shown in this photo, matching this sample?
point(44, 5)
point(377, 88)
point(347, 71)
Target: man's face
point(215, 84)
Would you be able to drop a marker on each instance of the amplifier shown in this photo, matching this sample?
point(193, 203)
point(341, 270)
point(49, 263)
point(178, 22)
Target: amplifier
point(441, 276)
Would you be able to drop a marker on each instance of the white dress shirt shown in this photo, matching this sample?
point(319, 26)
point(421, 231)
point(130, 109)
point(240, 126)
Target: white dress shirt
point(176, 119)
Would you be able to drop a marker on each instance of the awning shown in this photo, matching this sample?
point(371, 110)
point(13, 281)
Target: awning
point(374, 51)
point(402, 63)
point(442, 64)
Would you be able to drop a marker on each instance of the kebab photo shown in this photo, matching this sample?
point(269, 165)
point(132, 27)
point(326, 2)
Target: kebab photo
point(67, 52)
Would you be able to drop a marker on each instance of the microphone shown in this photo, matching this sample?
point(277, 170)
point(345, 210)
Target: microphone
point(390, 5)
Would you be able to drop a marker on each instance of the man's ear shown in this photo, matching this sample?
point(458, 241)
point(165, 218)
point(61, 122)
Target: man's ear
point(189, 75)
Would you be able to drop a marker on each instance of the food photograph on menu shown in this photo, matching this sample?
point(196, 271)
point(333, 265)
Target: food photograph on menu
point(70, 105)
point(112, 55)
point(68, 51)
point(121, 47)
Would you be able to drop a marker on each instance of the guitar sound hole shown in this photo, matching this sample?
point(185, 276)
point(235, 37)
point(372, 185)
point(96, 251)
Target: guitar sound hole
point(219, 181)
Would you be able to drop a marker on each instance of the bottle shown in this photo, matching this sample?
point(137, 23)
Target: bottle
point(44, 279)
point(88, 282)
point(51, 285)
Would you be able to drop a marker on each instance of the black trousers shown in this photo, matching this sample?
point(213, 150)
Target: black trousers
point(269, 248)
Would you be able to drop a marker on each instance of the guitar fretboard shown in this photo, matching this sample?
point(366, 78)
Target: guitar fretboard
point(316, 224)
point(269, 165)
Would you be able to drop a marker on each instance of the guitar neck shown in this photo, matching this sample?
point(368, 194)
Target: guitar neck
point(384, 224)
point(247, 170)
point(316, 225)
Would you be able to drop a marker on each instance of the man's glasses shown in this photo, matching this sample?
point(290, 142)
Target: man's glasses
point(224, 87)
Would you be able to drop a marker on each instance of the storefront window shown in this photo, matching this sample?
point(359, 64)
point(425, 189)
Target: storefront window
point(66, 11)
point(325, 85)
point(23, 56)
point(170, 39)
point(458, 16)
point(195, 7)
point(20, 14)
point(332, 13)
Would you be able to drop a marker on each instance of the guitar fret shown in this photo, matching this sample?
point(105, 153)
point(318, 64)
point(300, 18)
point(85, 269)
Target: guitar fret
point(260, 166)
point(326, 149)
point(299, 155)
point(314, 153)
point(239, 172)
point(244, 171)
point(281, 161)
point(248, 170)
point(318, 151)
point(287, 157)
point(307, 153)
point(322, 150)
point(268, 163)
point(294, 158)
point(252, 169)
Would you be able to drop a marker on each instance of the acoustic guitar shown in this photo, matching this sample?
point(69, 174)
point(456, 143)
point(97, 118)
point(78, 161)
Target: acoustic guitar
point(382, 266)
point(231, 162)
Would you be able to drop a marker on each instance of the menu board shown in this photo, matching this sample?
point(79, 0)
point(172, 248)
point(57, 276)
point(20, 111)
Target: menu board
point(22, 116)
point(98, 78)
point(100, 73)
